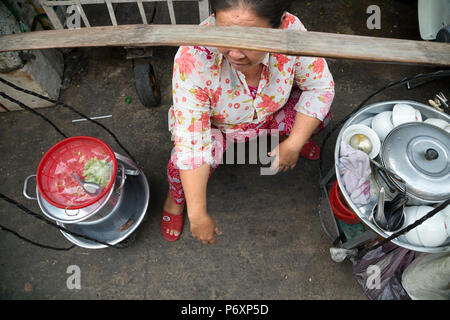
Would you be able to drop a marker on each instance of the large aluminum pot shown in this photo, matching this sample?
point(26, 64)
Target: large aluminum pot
point(116, 219)
point(364, 212)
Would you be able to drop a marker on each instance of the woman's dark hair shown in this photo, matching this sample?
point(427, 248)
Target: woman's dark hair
point(270, 9)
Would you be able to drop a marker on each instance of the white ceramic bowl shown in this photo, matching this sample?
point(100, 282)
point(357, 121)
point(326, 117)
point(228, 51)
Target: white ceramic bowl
point(446, 212)
point(447, 128)
point(367, 122)
point(404, 113)
point(362, 131)
point(410, 218)
point(437, 122)
point(432, 233)
point(447, 225)
point(382, 124)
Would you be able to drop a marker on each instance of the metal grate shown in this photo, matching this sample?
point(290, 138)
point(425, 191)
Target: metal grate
point(48, 7)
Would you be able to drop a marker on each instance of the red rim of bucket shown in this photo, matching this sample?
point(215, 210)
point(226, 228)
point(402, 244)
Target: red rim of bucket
point(340, 210)
point(66, 141)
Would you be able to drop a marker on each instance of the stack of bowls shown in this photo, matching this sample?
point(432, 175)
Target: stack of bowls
point(384, 122)
point(439, 123)
point(431, 233)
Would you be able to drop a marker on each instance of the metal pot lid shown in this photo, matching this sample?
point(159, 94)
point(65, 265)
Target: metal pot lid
point(420, 154)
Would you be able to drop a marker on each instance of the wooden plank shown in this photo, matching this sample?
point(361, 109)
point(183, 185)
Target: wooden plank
point(82, 13)
point(171, 12)
point(142, 12)
point(51, 14)
point(203, 9)
point(111, 12)
point(40, 75)
point(316, 44)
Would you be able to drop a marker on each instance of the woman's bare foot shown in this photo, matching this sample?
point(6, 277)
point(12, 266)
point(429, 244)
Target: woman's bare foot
point(171, 207)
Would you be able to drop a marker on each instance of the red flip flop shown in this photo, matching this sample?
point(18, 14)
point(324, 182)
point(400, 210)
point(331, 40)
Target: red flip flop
point(172, 222)
point(310, 150)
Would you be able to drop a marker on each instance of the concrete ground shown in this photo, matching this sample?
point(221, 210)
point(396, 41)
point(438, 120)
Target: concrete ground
point(273, 245)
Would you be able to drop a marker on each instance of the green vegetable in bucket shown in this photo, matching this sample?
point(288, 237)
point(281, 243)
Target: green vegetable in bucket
point(97, 171)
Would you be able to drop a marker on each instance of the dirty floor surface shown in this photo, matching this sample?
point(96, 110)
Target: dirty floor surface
point(273, 245)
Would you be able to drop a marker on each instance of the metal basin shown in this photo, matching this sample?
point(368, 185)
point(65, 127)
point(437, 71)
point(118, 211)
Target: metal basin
point(364, 213)
point(119, 223)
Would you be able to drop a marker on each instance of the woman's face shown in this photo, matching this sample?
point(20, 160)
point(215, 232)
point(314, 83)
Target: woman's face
point(242, 60)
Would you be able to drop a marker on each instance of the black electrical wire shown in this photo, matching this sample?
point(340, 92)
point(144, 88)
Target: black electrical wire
point(26, 210)
point(408, 228)
point(4, 95)
point(57, 102)
point(52, 224)
point(441, 73)
point(437, 74)
point(33, 242)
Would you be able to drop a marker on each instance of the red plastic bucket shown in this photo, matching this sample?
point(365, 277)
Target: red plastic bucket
point(340, 210)
point(54, 174)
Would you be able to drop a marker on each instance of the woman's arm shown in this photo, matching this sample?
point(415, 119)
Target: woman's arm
point(194, 182)
point(316, 82)
point(189, 122)
point(303, 129)
point(288, 152)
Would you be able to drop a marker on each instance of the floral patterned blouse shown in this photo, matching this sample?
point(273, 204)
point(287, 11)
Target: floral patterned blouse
point(208, 93)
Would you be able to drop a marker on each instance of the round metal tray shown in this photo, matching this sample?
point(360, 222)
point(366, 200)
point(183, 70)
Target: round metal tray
point(364, 212)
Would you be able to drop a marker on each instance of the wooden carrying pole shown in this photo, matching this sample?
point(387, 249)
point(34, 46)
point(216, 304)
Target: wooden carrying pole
point(316, 44)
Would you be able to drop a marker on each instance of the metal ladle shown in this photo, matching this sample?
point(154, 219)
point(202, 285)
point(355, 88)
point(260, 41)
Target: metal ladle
point(91, 188)
point(379, 217)
point(394, 212)
point(389, 215)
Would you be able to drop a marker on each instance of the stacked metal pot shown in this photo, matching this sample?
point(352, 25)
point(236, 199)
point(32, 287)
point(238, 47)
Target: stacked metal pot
point(106, 219)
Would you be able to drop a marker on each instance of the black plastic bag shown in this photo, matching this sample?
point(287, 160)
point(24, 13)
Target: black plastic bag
point(379, 272)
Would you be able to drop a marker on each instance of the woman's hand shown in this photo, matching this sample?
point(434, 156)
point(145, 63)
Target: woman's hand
point(288, 152)
point(204, 228)
point(286, 156)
